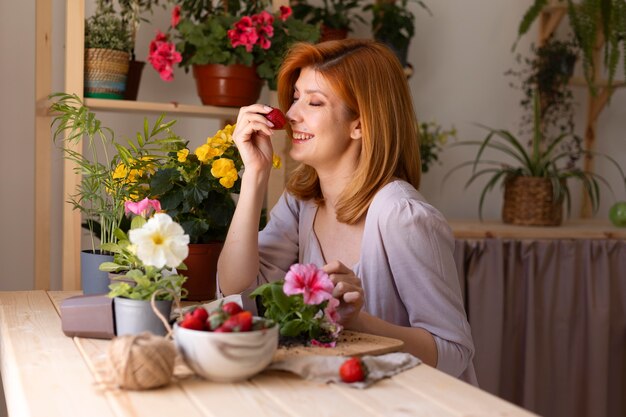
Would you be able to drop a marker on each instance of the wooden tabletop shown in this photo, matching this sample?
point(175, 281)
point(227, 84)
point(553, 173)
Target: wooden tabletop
point(48, 374)
point(570, 229)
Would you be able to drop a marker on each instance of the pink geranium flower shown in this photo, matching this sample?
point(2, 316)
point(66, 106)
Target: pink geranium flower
point(331, 310)
point(285, 12)
point(142, 208)
point(163, 55)
point(313, 283)
point(175, 16)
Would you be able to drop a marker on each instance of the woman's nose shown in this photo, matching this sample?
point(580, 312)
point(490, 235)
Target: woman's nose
point(292, 114)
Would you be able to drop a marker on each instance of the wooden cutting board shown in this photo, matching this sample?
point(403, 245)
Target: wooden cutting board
point(349, 344)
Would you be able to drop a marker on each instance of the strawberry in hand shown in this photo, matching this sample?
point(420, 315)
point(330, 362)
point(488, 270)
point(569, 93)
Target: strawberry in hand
point(353, 370)
point(277, 117)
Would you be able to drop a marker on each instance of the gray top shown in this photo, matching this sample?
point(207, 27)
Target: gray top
point(406, 266)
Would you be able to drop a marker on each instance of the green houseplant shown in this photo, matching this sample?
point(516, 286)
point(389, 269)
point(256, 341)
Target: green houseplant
point(233, 33)
point(108, 168)
point(335, 16)
point(547, 165)
point(394, 24)
point(433, 138)
point(590, 19)
point(148, 256)
point(107, 47)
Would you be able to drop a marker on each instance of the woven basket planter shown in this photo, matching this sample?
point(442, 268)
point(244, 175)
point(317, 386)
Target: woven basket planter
point(105, 73)
point(529, 201)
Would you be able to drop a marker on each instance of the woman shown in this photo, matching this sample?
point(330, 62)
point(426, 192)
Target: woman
point(352, 204)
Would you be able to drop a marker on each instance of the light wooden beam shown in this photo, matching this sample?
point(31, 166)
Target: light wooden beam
point(74, 62)
point(43, 143)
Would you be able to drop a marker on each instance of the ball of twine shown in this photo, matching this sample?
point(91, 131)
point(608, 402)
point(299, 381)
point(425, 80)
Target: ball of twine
point(143, 361)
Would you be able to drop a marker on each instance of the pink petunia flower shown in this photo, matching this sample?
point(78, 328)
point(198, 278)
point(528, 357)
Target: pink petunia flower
point(175, 16)
point(331, 310)
point(142, 208)
point(313, 283)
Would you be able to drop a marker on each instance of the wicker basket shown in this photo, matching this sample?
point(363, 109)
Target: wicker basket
point(105, 73)
point(529, 201)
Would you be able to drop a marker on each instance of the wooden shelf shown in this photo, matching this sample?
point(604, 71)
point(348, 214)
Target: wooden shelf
point(172, 108)
point(570, 229)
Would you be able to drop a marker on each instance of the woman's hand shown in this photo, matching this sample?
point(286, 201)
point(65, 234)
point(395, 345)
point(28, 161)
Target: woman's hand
point(348, 291)
point(252, 137)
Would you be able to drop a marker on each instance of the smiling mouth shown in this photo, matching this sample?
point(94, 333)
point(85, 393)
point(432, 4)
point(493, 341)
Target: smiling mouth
point(301, 137)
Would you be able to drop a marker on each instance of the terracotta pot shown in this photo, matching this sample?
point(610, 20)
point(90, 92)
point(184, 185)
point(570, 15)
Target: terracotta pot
point(135, 68)
point(332, 34)
point(227, 85)
point(201, 270)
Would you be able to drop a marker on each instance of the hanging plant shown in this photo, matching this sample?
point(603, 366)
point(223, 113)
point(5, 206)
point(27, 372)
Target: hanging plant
point(589, 19)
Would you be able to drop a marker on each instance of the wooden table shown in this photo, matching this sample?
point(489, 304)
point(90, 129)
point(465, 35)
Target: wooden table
point(48, 374)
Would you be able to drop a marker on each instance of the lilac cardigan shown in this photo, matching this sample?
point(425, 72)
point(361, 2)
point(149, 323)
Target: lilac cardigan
point(406, 266)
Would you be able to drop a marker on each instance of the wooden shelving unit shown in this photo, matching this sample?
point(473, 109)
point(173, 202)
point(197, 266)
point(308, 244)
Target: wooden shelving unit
point(550, 19)
point(74, 61)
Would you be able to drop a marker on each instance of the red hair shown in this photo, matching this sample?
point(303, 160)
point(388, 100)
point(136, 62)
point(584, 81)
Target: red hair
point(370, 81)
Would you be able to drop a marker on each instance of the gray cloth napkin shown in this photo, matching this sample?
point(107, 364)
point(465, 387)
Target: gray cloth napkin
point(326, 368)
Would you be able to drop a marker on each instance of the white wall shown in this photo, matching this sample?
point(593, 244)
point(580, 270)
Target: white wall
point(460, 55)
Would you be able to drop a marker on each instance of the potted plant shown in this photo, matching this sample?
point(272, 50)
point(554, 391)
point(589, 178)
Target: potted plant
point(196, 188)
point(150, 272)
point(591, 20)
point(132, 14)
point(107, 47)
point(234, 44)
point(535, 183)
point(432, 138)
point(107, 178)
point(335, 17)
point(394, 24)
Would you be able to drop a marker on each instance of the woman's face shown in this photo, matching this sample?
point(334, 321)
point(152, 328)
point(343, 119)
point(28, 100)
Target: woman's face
point(324, 137)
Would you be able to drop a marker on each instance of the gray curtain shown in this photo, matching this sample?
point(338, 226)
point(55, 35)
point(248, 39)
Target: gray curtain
point(549, 322)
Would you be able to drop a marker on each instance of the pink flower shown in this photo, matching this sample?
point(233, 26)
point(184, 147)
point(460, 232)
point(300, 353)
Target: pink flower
point(142, 208)
point(175, 16)
point(331, 310)
point(163, 55)
point(313, 283)
point(285, 12)
point(315, 342)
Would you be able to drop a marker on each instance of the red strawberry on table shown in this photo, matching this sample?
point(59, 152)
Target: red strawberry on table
point(353, 370)
point(277, 117)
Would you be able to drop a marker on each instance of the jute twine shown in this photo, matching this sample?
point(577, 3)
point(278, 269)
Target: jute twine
point(140, 362)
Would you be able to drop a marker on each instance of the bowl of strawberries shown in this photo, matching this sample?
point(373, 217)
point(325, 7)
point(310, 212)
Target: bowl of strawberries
point(225, 343)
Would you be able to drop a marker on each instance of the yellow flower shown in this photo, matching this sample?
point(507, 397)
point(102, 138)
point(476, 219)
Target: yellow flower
point(120, 171)
point(182, 155)
point(205, 153)
point(224, 169)
point(276, 162)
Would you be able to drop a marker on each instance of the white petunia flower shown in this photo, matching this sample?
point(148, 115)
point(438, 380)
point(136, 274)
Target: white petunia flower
point(160, 242)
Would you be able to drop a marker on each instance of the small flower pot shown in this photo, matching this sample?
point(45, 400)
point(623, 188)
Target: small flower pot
point(529, 201)
point(94, 281)
point(105, 73)
point(227, 85)
point(136, 316)
point(133, 80)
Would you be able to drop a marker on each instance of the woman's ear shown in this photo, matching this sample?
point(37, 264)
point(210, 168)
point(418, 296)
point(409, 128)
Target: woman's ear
point(355, 129)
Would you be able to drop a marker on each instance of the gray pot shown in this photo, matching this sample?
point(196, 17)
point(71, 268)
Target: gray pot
point(94, 281)
point(136, 316)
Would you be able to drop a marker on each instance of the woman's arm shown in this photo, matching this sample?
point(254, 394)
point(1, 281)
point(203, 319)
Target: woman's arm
point(238, 264)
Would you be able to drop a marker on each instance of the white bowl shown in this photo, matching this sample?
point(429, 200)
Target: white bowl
point(227, 357)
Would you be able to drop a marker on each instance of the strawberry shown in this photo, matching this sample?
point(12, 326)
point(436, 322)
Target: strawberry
point(231, 308)
point(216, 319)
point(240, 322)
point(200, 313)
point(277, 117)
point(353, 370)
point(191, 322)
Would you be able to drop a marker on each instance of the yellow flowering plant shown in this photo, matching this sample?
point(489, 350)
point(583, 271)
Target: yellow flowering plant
point(196, 187)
